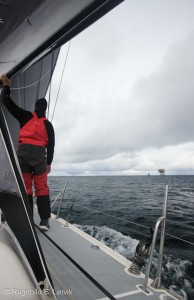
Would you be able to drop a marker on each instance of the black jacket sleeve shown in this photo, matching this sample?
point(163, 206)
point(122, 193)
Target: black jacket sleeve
point(51, 141)
point(20, 114)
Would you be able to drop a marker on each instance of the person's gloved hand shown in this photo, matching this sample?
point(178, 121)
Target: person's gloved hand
point(5, 80)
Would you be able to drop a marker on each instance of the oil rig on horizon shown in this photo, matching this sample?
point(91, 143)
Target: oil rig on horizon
point(161, 171)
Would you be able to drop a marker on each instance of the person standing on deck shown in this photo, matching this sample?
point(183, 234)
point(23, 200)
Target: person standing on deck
point(35, 150)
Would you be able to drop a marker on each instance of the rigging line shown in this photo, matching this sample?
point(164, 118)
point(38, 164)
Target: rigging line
point(175, 237)
point(30, 85)
point(24, 90)
point(19, 96)
point(39, 76)
point(49, 100)
point(61, 79)
point(114, 217)
point(131, 222)
point(7, 62)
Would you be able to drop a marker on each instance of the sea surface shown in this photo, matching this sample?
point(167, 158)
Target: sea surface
point(119, 211)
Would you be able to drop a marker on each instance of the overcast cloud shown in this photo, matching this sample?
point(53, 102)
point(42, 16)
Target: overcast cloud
point(127, 97)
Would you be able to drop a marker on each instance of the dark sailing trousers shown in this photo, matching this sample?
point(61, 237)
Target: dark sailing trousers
point(32, 162)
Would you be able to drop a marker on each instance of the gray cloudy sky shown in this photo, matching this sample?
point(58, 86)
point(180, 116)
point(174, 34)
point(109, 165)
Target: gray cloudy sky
point(127, 97)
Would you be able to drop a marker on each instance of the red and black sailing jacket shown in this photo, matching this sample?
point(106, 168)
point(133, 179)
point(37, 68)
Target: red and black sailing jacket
point(24, 117)
point(34, 132)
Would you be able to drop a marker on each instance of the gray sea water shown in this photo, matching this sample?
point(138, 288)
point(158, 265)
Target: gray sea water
point(107, 207)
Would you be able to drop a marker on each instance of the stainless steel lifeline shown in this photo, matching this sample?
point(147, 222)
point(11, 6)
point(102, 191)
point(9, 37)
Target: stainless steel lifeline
point(61, 196)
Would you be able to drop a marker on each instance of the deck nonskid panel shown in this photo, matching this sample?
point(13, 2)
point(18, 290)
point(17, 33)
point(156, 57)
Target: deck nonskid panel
point(107, 267)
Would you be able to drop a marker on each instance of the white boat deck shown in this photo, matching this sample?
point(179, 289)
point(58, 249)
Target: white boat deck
point(16, 282)
point(107, 267)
